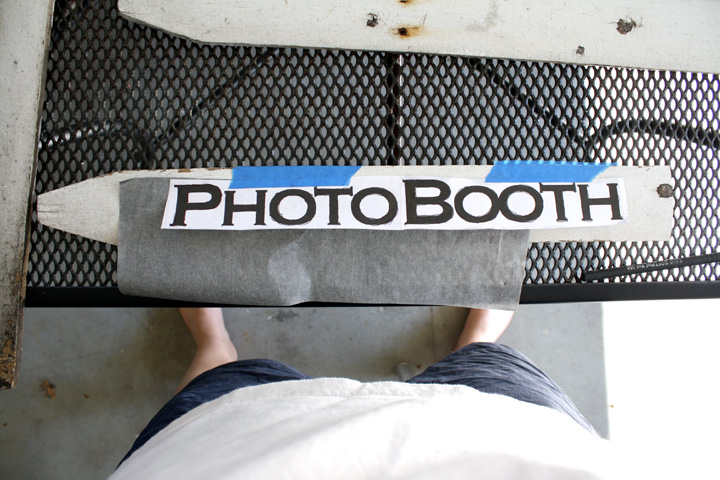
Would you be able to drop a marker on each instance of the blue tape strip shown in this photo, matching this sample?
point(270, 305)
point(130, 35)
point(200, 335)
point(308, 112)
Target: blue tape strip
point(292, 176)
point(535, 171)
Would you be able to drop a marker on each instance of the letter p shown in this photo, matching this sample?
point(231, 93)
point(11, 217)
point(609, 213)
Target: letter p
point(183, 201)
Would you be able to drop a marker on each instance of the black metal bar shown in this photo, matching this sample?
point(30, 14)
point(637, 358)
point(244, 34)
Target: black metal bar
point(392, 79)
point(102, 297)
point(609, 292)
point(110, 297)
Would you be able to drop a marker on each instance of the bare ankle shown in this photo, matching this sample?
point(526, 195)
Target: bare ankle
point(483, 325)
point(207, 327)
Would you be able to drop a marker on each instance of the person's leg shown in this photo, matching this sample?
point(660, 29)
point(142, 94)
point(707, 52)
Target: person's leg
point(214, 347)
point(480, 363)
point(483, 325)
point(213, 372)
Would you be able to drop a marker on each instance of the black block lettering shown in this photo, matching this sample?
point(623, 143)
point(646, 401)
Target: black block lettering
point(510, 215)
point(231, 207)
point(362, 218)
point(183, 203)
point(280, 196)
point(613, 201)
point(333, 194)
point(460, 206)
point(558, 190)
point(413, 201)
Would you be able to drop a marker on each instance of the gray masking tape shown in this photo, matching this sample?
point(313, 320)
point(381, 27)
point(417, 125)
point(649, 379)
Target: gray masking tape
point(480, 268)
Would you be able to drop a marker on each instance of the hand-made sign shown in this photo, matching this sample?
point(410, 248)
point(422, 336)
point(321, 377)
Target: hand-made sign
point(392, 203)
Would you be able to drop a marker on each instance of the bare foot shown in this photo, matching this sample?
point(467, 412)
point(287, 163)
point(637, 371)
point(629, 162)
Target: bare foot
point(483, 325)
point(214, 347)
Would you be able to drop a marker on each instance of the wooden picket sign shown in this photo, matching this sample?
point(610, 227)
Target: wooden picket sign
point(668, 35)
point(91, 208)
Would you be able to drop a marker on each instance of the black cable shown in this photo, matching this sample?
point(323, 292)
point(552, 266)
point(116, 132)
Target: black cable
point(514, 92)
point(592, 275)
point(700, 136)
point(708, 138)
point(221, 91)
point(144, 154)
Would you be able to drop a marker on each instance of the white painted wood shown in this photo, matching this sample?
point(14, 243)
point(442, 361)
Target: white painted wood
point(656, 34)
point(24, 34)
point(91, 208)
point(650, 216)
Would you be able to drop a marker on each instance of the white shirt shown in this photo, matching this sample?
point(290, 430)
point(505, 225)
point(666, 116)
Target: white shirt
point(343, 429)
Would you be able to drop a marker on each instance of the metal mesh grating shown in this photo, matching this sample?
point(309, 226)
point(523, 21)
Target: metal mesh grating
point(123, 96)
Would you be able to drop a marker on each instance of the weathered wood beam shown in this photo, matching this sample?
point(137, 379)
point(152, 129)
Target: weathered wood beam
point(669, 35)
point(24, 37)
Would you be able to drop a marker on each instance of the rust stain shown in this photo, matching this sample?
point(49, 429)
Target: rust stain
point(17, 284)
point(184, 170)
point(625, 26)
point(408, 32)
point(48, 389)
point(7, 362)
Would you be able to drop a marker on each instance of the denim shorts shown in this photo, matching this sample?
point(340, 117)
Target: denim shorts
point(487, 367)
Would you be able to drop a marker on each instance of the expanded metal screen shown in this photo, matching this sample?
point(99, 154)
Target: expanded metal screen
point(124, 96)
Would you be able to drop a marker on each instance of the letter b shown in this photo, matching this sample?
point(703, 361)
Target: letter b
point(413, 201)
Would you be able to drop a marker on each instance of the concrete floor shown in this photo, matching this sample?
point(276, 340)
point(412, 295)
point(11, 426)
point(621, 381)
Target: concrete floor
point(112, 369)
